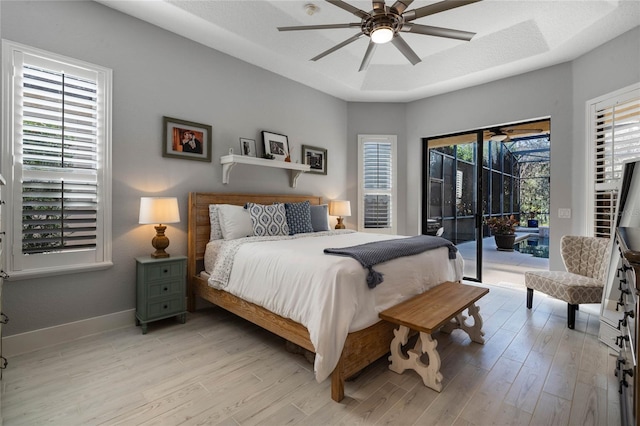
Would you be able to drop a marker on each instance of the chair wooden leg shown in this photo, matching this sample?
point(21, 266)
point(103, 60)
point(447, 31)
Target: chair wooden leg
point(529, 297)
point(571, 315)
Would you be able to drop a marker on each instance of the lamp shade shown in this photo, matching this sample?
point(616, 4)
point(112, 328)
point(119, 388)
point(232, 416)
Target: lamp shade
point(340, 208)
point(159, 210)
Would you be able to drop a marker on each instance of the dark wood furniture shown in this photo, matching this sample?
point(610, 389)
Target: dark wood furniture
point(626, 366)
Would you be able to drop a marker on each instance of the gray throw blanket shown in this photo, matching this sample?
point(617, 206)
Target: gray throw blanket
point(371, 254)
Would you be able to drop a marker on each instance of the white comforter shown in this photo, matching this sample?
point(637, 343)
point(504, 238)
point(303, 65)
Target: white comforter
point(329, 294)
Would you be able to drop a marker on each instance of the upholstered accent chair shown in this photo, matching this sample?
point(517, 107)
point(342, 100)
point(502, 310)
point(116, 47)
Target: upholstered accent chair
point(586, 260)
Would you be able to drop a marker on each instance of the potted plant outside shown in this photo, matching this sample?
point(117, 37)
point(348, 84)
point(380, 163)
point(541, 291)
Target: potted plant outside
point(504, 231)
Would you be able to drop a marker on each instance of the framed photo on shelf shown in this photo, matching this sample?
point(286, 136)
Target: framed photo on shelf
point(276, 145)
point(248, 147)
point(186, 139)
point(316, 158)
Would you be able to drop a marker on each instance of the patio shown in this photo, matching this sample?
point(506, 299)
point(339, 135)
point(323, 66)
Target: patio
point(501, 268)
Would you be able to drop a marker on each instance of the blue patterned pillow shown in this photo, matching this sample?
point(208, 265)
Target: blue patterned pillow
point(299, 217)
point(268, 220)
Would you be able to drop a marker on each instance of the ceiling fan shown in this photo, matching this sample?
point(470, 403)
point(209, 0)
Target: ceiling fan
point(384, 24)
point(503, 134)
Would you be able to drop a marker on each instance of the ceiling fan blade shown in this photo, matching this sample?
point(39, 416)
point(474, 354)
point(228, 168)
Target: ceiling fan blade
point(404, 48)
point(437, 31)
point(319, 27)
point(401, 5)
point(337, 46)
point(351, 9)
point(435, 8)
point(378, 5)
point(368, 55)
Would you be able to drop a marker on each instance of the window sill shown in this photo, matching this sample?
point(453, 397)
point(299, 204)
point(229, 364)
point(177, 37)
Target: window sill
point(48, 272)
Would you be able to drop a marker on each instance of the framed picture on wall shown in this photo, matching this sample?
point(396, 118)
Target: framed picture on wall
point(316, 158)
point(186, 139)
point(248, 147)
point(276, 145)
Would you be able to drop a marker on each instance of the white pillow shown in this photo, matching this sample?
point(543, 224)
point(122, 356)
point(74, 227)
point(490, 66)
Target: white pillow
point(235, 221)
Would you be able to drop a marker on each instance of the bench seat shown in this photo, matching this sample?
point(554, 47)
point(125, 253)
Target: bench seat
point(438, 308)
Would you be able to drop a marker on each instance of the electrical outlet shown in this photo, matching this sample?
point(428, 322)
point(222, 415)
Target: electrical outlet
point(564, 213)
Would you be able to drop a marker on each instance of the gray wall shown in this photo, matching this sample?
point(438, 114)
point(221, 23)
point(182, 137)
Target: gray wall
point(543, 93)
point(610, 67)
point(155, 74)
point(558, 92)
point(376, 119)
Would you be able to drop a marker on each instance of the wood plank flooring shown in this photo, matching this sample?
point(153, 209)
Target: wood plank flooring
point(219, 369)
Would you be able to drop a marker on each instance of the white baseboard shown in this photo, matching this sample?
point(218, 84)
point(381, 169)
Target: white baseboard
point(39, 339)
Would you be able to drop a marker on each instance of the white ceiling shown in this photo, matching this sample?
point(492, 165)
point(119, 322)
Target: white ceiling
point(512, 37)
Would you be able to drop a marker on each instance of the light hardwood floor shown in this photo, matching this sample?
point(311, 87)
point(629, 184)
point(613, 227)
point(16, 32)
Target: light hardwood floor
point(219, 369)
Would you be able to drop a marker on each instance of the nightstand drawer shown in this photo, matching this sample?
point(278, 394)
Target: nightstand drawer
point(165, 307)
point(165, 288)
point(165, 270)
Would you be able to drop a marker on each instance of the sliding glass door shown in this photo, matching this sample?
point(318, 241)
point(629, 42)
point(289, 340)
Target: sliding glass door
point(452, 195)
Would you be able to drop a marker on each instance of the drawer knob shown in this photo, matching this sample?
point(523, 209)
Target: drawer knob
point(623, 281)
point(3, 362)
point(165, 271)
point(621, 339)
point(165, 289)
point(165, 307)
point(3, 318)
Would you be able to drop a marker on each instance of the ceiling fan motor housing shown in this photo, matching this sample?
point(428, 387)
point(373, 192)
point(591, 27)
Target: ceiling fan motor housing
point(382, 19)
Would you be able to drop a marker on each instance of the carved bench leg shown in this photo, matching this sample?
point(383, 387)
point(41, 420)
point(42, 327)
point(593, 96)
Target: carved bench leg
point(430, 373)
point(459, 321)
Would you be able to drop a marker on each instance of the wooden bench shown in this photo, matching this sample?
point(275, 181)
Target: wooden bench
point(439, 307)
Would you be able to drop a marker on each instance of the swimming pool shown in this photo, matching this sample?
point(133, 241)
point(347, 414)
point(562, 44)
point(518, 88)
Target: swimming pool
point(534, 245)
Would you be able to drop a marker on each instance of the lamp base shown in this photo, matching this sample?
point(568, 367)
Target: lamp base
point(340, 225)
point(160, 242)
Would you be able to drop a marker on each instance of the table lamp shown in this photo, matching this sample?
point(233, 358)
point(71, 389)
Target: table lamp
point(340, 208)
point(160, 210)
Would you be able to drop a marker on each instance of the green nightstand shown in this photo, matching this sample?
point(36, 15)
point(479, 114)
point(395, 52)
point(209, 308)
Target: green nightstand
point(160, 289)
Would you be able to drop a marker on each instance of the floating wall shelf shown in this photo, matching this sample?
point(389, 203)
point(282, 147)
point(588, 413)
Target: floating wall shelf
point(295, 169)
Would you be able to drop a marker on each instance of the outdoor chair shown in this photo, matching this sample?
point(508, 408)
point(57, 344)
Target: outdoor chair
point(586, 260)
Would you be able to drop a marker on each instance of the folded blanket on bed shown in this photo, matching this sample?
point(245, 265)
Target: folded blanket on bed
point(371, 254)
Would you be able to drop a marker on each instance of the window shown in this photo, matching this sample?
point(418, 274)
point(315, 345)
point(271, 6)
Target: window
point(56, 154)
point(377, 206)
point(614, 136)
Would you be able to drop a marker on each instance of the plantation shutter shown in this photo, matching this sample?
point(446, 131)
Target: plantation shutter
point(377, 185)
point(377, 193)
point(59, 160)
point(616, 133)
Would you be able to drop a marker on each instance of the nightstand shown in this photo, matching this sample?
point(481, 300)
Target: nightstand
point(160, 289)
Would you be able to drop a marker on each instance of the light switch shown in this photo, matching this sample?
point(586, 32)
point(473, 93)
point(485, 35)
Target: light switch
point(564, 213)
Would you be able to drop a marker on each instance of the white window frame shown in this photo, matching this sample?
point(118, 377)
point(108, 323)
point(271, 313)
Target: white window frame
point(18, 265)
point(593, 105)
point(393, 193)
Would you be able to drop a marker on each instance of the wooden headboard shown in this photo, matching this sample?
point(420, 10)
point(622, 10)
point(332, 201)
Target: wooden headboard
point(199, 228)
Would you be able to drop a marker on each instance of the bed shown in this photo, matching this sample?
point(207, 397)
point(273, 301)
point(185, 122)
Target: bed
point(361, 347)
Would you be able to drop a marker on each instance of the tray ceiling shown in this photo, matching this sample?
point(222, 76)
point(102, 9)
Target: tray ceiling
point(512, 37)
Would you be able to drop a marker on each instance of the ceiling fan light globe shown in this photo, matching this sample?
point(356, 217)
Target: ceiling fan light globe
point(382, 35)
